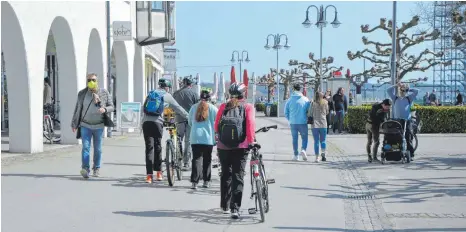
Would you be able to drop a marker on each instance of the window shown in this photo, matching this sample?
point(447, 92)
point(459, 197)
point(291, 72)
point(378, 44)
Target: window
point(142, 5)
point(157, 6)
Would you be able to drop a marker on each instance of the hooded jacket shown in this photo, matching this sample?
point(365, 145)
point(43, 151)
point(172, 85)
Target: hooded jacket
point(296, 108)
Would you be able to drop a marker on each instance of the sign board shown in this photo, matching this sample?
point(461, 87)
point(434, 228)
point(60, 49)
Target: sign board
point(169, 59)
point(122, 30)
point(130, 115)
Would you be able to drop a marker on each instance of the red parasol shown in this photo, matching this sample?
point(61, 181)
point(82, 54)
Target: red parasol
point(246, 81)
point(232, 75)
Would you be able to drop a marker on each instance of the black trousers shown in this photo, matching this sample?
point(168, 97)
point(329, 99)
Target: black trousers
point(153, 138)
point(409, 138)
point(233, 164)
point(201, 163)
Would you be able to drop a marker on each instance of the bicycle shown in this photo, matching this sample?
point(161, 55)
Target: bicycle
point(173, 156)
point(416, 128)
point(49, 123)
point(259, 181)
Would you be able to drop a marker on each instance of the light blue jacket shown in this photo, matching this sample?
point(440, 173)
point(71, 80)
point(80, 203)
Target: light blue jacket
point(296, 108)
point(401, 105)
point(202, 132)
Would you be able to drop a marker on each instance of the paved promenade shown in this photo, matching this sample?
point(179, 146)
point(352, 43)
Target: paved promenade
point(45, 193)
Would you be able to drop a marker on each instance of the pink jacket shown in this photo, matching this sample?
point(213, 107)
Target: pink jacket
point(250, 126)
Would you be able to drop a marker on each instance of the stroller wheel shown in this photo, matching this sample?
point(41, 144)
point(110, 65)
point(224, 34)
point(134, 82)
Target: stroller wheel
point(382, 160)
point(408, 157)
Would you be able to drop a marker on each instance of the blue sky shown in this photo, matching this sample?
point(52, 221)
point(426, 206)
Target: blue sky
point(208, 32)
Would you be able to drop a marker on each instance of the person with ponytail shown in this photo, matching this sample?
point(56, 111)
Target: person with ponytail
point(319, 127)
point(201, 119)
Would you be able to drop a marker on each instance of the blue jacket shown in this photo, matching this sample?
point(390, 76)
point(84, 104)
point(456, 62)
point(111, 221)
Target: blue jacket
point(202, 132)
point(402, 105)
point(296, 108)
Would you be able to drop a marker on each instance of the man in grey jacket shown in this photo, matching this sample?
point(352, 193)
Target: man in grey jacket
point(186, 97)
point(88, 117)
point(152, 127)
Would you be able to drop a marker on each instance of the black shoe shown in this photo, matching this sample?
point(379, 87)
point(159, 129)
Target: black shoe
point(376, 159)
point(235, 214)
point(369, 158)
point(323, 158)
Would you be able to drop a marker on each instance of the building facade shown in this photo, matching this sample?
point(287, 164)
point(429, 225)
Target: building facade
point(64, 41)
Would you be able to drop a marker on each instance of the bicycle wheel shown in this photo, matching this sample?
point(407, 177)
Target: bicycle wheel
point(415, 142)
point(265, 189)
point(169, 162)
point(48, 134)
point(177, 159)
point(260, 199)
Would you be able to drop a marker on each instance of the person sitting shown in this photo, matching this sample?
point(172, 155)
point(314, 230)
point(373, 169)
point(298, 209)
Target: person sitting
point(377, 115)
point(402, 108)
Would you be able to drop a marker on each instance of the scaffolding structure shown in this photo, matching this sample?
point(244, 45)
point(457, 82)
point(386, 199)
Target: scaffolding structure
point(447, 79)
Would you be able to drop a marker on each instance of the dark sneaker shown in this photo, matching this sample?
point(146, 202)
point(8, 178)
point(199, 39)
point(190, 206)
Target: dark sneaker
point(323, 157)
point(225, 211)
point(96, 172)
point(234, 214)
point(85, 173)
point(194, 186)
point(376, 159)
point(369, 158)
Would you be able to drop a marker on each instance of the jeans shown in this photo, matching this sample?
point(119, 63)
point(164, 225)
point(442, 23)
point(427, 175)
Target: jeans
point(340, 115)
point(201, 164)
point(153, 139)
point(233, 163)
point(183, 130)
point(97, 137)
point(373, 134)
point(303, 131)
point(320, 136)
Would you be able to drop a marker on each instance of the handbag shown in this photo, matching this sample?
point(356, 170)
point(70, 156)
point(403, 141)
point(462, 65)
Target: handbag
point(78, 130)
point(108, 121)
point(310, 119)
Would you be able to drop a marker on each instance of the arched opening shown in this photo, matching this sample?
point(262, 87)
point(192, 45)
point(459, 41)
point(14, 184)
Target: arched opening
point(65, 75)
point(138, 75)
point(119, 63)
point(95, 58)
point(17, 119)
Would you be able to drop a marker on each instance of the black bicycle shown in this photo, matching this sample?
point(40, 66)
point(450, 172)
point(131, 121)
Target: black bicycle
point(259, 181)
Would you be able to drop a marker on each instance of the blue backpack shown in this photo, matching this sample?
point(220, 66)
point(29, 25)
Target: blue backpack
point(154, 104)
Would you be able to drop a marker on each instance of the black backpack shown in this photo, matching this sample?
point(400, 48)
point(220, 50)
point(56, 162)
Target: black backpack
point(232, 127)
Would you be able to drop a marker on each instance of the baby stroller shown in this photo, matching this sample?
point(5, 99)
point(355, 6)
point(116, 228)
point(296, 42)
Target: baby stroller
point(394, 146)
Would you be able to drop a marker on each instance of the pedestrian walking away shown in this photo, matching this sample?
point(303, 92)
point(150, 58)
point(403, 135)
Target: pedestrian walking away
point(330, 115)
point(402, 108)
point(201, 120)
point(340, 105)
point(89, 120)
point(235, 127)
point(152, 126)
point(296, 113)
point(319, 111)
point(377, 115)
point(186, 98)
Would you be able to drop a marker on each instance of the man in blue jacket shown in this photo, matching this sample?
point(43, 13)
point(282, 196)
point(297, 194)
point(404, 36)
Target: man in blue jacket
point(296, 113)
point(402, 108)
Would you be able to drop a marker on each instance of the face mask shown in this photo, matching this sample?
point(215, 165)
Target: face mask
point(92, 84)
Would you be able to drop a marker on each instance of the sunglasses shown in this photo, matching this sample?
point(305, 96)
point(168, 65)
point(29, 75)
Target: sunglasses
point(93, 80)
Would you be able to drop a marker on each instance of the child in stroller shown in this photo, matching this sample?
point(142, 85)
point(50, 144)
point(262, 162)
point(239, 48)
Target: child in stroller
point(394, 147)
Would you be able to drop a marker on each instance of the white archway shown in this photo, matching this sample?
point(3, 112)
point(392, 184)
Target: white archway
point(121, 73)
point(21, 119)
point(95, 58)
point(138, 75)
point(68, 83)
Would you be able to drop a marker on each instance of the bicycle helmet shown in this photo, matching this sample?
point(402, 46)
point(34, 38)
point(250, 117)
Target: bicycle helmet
point(206, 93)
point(163, 83)
point(187, 81)
point(237, 90)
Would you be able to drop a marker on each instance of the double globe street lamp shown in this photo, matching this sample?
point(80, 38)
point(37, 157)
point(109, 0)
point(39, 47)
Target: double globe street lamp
point(277, 46)
point(321, 23)
point(240, 60)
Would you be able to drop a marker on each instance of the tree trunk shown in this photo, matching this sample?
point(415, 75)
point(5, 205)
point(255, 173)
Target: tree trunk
point(286, 93)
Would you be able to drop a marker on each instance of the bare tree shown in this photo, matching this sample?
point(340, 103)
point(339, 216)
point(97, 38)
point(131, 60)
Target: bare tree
point(379, 53)
point(270, 82)
point(311, 70)
point(288, 77)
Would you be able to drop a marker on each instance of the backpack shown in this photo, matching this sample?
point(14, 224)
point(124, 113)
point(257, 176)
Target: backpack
point(232, 127)
point(154, 104)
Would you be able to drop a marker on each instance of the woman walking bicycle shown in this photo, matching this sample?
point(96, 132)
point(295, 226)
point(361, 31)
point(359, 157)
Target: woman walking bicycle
point(235, 127)
point(201, 120)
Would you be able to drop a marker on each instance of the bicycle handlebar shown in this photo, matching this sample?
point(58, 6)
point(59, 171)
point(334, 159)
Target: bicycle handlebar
point(266, 128)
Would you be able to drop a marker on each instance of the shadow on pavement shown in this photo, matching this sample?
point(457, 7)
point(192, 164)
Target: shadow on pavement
point(211, 216)
point(343, 230)
point(399, 190)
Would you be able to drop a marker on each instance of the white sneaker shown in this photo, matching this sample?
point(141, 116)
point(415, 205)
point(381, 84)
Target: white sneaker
point(317, 159)
point(303, 154)
point(295, 158)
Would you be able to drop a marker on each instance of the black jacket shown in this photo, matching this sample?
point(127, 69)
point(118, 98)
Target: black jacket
point(186, 97)
point(340, 102)
point(377, 115)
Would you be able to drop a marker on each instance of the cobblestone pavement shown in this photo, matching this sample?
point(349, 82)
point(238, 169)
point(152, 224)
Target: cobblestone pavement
point(46, 192)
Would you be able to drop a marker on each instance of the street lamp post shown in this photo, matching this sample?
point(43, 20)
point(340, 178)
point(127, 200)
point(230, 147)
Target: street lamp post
point(240, 60)
point(321, 23)
point(276, 45)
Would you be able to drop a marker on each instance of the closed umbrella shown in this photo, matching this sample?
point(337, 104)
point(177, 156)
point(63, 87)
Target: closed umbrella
point(246, 81)
point(232, 75)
